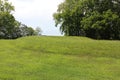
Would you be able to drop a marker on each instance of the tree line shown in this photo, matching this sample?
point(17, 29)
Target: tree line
point(10, 28)
point(98, 19)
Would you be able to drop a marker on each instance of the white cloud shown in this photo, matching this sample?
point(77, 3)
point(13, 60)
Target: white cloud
point(37, 13)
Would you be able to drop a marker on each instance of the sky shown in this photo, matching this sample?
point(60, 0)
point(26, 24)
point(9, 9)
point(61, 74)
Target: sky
point(37, 13)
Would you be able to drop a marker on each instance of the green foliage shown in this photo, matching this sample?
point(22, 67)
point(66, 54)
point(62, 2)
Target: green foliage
point(24, 30)
point(99, 19)
point(102, 26)
point(5, 6)
point(7, 20)
point(59, 58)
point(9, 27)
point(69, 16)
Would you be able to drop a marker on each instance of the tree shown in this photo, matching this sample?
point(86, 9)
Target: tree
point(24, 30)
point(69, 15)
point(7, 20)
point(7, 25)
point(38, 31)
point(5, 6)
point(102, 19)
point(99, 19)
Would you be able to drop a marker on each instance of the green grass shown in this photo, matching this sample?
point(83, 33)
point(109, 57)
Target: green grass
point(59, 58)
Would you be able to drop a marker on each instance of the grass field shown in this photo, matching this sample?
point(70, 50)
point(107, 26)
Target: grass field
point(59, 58)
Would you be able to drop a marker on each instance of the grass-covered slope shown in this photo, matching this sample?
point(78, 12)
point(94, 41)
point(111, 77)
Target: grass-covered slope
point(59, 58)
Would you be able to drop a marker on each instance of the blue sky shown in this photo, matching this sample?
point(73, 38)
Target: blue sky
point(37, 13)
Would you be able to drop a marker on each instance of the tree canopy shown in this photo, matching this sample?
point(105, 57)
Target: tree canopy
point(98, 19)
point(10, 28)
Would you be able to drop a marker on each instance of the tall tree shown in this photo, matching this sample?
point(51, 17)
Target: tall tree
point(97, 19)
point(9, 27)
point(69, 15)
point(7, 20)
point(102, 19)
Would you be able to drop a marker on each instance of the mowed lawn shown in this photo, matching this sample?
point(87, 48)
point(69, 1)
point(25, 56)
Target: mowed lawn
point(59, 58)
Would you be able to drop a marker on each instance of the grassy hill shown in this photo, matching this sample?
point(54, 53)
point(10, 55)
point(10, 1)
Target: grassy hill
point(59, 58)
